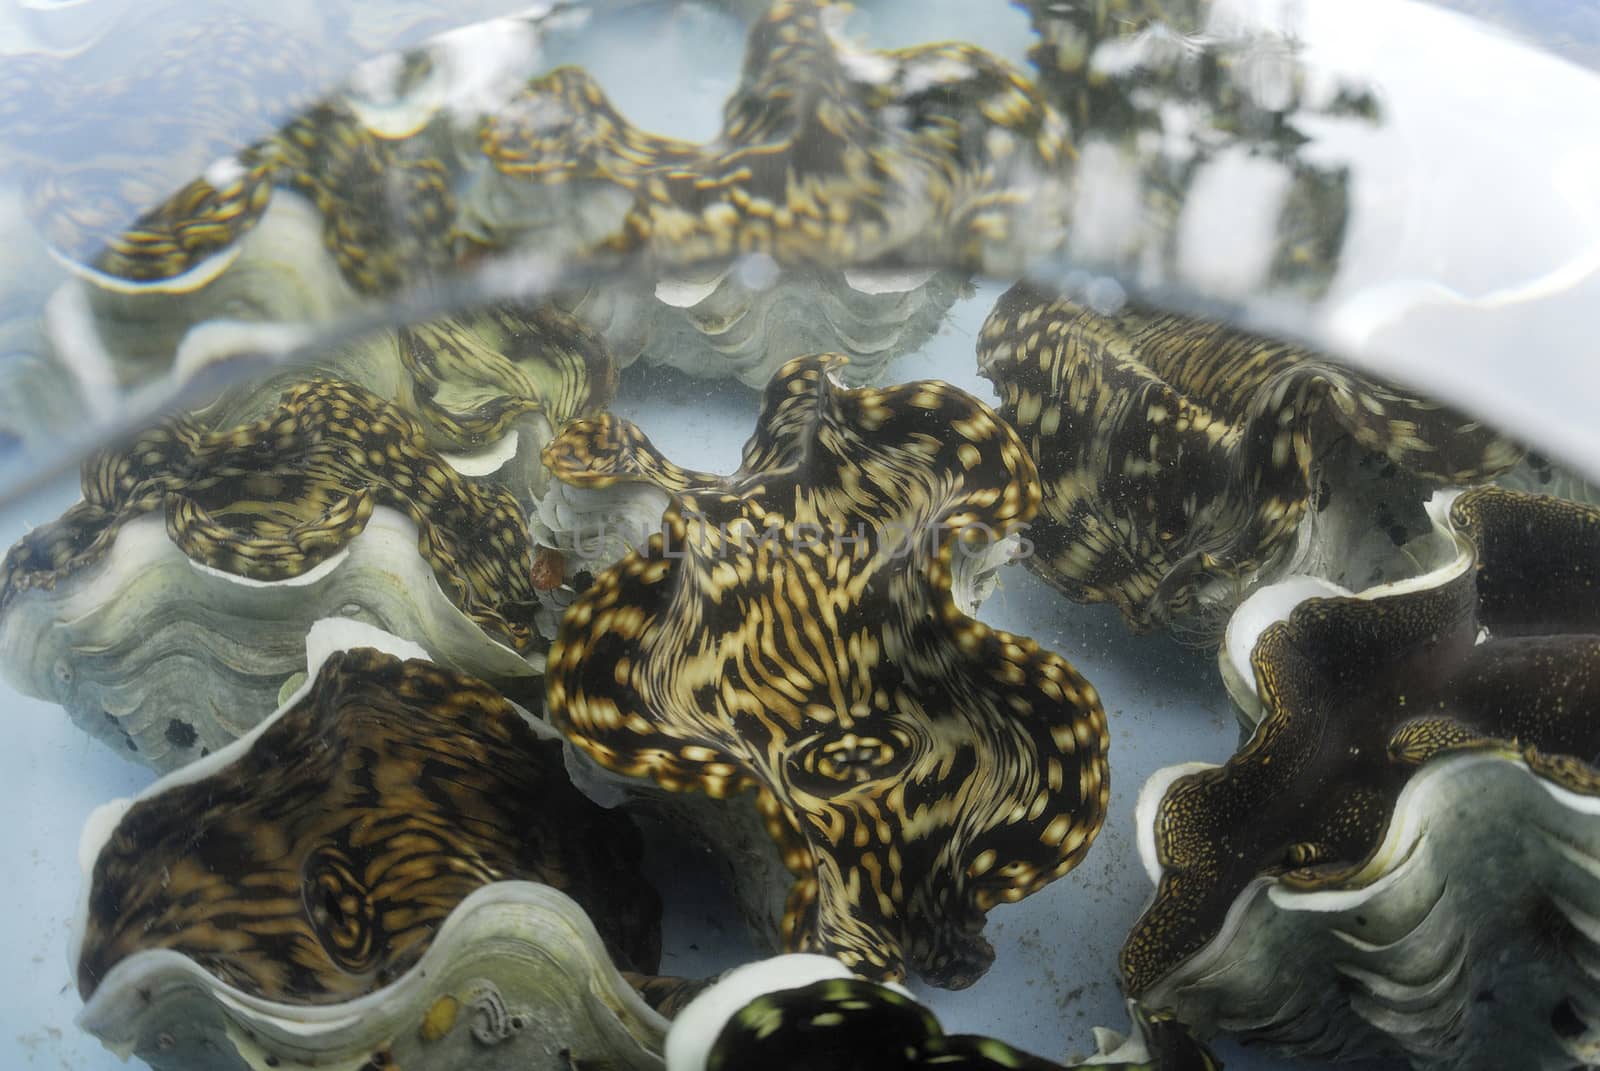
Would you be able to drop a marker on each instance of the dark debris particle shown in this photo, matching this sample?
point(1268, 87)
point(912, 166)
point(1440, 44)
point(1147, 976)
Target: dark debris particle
point(1543, 471)
point(181, 734)
point(1565, 1022)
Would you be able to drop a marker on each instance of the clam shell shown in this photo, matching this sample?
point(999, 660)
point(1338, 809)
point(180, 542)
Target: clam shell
point(488, 388)
point(166, 659)
point(1441, 899)
point(277, 285)
point(517, 979)
point(39, 399)
point(744, 321)
point(595, 527)
point(516, 976)
point(1435, 557)
point(1468, 941)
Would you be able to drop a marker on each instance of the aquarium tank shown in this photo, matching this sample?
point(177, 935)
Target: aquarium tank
point(783, 535)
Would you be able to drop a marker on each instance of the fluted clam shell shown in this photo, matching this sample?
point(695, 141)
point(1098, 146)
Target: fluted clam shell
point(594, 527)
point(277, 280)
point(743, 322)
point(516, 979)
point(1471, 939)
point(582, 531)
point(166, 659)
point(488, 414)
point(39, 399)
point(1468, 934)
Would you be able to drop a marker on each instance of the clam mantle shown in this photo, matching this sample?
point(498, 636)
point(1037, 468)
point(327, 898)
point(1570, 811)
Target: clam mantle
point(1183, 460)
point(800, 1012)
point(792, 630)
point(392, 867)
point(1403, 858)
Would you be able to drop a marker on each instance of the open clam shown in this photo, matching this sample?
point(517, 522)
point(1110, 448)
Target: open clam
point(793, 629)
point(172, 638)
point(1184, 461)
point(488, 387)
point(391, 871)
point(829, 155)
point(843, 165)
point(1403, 858)
point(801, 1011)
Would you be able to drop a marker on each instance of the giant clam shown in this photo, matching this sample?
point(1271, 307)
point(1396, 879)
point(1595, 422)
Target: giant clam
point(801, 1011)
point(1403, 858)
point(837, 156)
point(391, 871)
point(273, 499)
point(175, 637)
point(837, 161)
point(166, 660)
point(1183, 460)
point(103, 132)
point(891, 158)
point(792, 629)
point(488, 387)
point(238, 244)
point(829, 155)
point(207, 86)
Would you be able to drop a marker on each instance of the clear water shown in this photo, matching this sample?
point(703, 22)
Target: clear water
point(1469, 266)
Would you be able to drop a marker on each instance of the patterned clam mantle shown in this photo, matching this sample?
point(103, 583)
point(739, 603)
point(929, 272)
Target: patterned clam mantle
point(790, 631)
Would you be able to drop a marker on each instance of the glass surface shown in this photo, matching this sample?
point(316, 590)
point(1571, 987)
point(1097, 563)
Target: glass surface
point(1406, 189)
